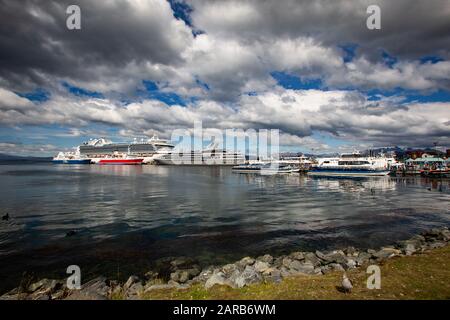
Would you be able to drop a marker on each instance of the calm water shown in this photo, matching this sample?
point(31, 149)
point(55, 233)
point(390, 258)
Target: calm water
point(127, 217)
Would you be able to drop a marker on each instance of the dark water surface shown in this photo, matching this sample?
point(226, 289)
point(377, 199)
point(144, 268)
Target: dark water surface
point(127, 217)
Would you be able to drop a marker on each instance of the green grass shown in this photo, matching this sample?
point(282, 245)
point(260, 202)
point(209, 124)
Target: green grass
point(424, 276)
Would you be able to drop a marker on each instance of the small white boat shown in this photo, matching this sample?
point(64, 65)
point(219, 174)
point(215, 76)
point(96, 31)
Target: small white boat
point(351, 165)
point(265, 168)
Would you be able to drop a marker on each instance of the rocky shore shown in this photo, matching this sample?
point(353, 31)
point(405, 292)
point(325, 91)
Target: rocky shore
point(182, 272)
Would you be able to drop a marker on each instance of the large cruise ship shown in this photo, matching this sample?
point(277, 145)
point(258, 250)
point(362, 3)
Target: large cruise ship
point(211, 155)
point(352, 164)
point(98, 149)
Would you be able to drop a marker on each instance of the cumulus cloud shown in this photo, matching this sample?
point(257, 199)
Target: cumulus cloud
point(347, 115)
point(224, 73)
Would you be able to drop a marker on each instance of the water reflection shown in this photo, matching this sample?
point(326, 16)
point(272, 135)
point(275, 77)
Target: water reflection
point(129, 216)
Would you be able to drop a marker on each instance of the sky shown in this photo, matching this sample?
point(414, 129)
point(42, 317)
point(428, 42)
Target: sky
point(311, 69)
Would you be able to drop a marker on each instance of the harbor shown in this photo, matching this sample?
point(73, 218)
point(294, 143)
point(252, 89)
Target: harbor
point(157, 151)
point(122, 220)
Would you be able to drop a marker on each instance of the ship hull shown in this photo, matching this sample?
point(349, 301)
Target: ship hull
point(72, 161)
point(348, 173)
point(120, 161)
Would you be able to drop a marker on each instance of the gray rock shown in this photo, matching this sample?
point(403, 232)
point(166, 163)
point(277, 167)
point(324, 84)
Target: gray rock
point(229, 269)
point(332, 257)
point(244, 262)
point(204, 275)
point(312, 258)
point(248, 276)
point(278, 262)
point(350, 264)
point(96, 289)
point(386, 253)
point(151, 275)
point(410, 249)
point(272, 275)
point(131, 280)
point(285, 272)
point(336, 267)
point(180, 276)
point(261, 266)
point(297, 256)
point(306, 267)
point(362, 258)
point(437, 244)
point(134, 292)
point(45, 284)
point(216, 278)
point(267, 258)
point(351, 251)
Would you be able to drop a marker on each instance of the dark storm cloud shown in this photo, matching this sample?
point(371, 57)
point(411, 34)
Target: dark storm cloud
point(35, 43)
point(409, 29)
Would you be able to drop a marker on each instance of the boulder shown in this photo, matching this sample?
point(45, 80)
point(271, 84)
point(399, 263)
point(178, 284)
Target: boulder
point(409, 249)
point(216, 278)
point(244, 262)
point(362, 258)
point(305, 267)
point(261, 266)
point(131, 280)
point(312, 258)
point(134, 291)
point(229, 269)
point(44, 284)
point(351, 252)
point(96, 289)
point(332, 257)
point(151, 275)
point(267, 258)
point(350, 264)
point(272, 275)
point(248, 276)
point(336, 267)
point(386, 253)
point(204, 275)
point(297, 256)
point(180, 276)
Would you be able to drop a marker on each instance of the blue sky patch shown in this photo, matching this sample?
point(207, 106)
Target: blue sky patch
point(410, 95)
point(152, 91)
point(431, 59)
point(38, 95)
point(289, 81)
point(181, 11)
point(388, 59)
point(80, 92)
point(349, 51)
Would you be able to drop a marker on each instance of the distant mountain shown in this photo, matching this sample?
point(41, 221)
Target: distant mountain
point(13, 158)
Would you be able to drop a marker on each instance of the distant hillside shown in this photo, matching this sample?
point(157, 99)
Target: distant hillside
point(13, 158)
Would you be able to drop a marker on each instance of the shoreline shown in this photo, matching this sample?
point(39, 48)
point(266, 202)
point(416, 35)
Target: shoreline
point(184, 273)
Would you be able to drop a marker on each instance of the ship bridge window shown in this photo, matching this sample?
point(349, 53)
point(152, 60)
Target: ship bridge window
point(352, 163)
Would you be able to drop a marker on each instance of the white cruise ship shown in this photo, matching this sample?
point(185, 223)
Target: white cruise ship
point(211, 155)
point(351, 164)
point(97, 149)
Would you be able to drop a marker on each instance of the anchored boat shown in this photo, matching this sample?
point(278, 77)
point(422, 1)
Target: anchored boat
point(70, 158)
point(122, 161)
point(265, 168)
point(352, 164)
